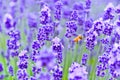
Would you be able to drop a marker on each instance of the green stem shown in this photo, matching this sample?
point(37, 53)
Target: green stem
point(93, 62)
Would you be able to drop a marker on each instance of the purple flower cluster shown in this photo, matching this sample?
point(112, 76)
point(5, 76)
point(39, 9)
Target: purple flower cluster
point(32, 20)
point(57, 72)
point(1, 67)
point(110, 60)
point(45, 15)
point(91, 39)
point(22, 74)
point(45, 76)
point(9, 21)
point(10, 69)
point(22, 65)
point(84, 59)
point(107, 28)
point(77, 72)
point(13, 43)
point(47, 20)
point(58, 8)
point(109, 12)
point(71, 28)
point(46, 59)
point(36, 71)
point(23, 60)
point(57, 48)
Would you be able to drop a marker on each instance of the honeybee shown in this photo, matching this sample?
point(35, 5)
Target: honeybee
point(78, 38)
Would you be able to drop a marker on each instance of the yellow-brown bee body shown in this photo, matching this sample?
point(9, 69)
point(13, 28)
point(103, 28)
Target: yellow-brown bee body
point(78, 38)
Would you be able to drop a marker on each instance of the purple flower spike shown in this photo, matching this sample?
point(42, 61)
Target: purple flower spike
point(22, 74)
point(71, 28)
point(109, 12)
point(36, 71)
point(46, 59)
point(10, 69)
point(88, 24)
point(23, 60)
point(45, 76)
point(98, 26)
point(1, 67)
point(9, 21)
point(84, 59)
point(77, 72)
point(36, 45)
point(57, 48)
point(58, 8)
point(45, 16)
point(32, 20)
point(57, 72)
point(108, 28)
point(74, 15)
point(88, 4)
point(78, 6)
point(117, 9)
point(91, 40)
point(33, 78)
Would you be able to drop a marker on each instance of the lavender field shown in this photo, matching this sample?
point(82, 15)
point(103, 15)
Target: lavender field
point(59, 39)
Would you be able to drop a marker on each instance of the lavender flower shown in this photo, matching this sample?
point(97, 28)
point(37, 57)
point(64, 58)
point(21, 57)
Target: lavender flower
point(110, 60)
point(66, 13)
point(33, 55)
point(22, 74)
point(13, 43)
point(98, 26)
point(1, 67)
point(91, 39)
point(9, 21)
point(32, 20)
point(78, 6)
point(45, 76)
point(44, 34)
point(109, 12)
point(108, 28)
point(14, 34)
point(84, 59)
point(23, 60)
point(36, 71)
point(88, 24)
point(36, 45)
point(57, 72)
point(46, 59)
point(71, 29)
point(80, 21)
point(77, 72)
point(10, 69)
point(45, 16)
point(58, 8)
point(57, 48)
point(106, 40)
point(88, 4)
point(74, 15)
point(117, 9)
point(33, 78)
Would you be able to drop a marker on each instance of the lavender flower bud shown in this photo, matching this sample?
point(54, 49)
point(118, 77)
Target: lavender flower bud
point(84, 59)
point(10, 69)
